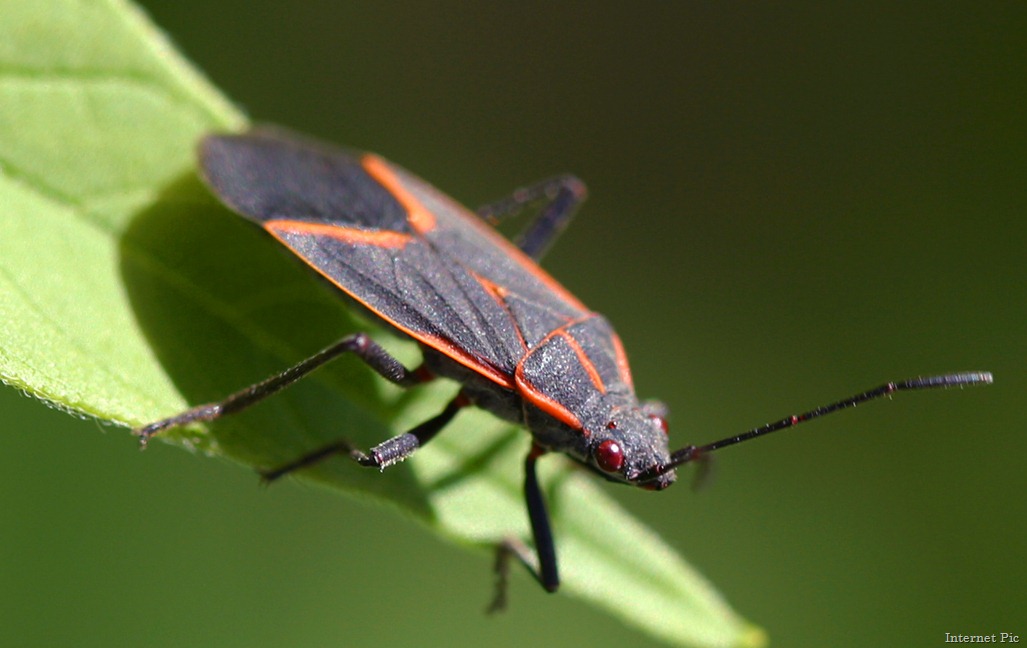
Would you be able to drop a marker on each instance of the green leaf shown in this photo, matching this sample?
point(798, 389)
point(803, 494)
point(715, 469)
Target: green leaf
point(127, 293)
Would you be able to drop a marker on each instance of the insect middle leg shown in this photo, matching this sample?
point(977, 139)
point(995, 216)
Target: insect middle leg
point(562, 194)
point(380, 456)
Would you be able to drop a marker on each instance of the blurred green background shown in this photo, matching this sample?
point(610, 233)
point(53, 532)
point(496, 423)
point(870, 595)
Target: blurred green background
point(787, 205)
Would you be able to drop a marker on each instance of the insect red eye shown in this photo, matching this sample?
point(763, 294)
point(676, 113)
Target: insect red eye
point(609, 456)
point(660, 423)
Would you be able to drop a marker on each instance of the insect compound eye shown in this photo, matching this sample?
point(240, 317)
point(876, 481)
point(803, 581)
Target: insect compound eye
point(609, 456)
point(660, 423)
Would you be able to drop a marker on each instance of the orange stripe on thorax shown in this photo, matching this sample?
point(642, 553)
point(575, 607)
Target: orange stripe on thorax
point(548, 404)
point(590, 368)
point(545, 403)
point(622, 361)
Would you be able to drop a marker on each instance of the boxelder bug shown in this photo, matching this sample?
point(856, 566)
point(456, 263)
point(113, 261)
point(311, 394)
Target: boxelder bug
point(484, 313)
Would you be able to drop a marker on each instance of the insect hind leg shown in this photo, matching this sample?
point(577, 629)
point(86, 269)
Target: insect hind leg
point(561, 194)
point(359, 344)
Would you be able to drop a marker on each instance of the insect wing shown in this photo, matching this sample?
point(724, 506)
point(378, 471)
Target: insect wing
point(271, 174)
point(417, 259)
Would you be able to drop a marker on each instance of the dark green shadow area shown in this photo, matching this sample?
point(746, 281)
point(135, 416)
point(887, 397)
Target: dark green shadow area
point(223, 307)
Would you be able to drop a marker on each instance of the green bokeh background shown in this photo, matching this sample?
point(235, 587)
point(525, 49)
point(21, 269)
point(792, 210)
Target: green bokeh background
point(788, 204)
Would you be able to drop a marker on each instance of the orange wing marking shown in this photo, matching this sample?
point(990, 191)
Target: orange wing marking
point(498, 294)
point(349, 235)
point(418, 216)
point(464, 358)
point(392, 240)
point(424, 221)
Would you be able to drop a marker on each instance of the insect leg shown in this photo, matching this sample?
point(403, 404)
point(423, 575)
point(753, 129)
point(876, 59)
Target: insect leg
point(380, 456)
point(562, 194)
point(542, 565)
point(359, 344)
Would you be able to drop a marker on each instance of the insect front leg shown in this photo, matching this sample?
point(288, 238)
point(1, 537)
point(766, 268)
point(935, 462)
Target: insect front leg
point(562, 194)
point(360, 344)
point(542, 565)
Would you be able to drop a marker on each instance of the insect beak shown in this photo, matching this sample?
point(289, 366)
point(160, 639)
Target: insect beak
point(656, 478)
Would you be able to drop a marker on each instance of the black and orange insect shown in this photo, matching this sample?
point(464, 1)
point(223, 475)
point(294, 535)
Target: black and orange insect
point(482, 310)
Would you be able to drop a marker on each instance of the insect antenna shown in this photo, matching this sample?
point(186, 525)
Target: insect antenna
point(692, 453)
